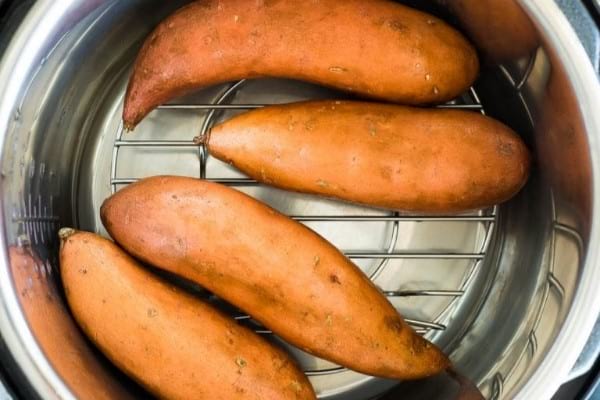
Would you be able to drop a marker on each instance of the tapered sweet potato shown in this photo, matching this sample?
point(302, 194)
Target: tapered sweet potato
point(55, 331)
point(500, 28)
point(377, 48)
point(389, 156)
point(175, 345)
point(283, 274)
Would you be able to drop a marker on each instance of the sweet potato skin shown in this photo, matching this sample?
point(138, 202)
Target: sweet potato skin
point(377, 48)
point(172, 343)
point(283, 274)
point(47, 315)
point(500, 28)
point(388, 156)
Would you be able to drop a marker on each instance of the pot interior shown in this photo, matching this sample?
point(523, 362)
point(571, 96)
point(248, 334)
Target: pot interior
point(490, 287)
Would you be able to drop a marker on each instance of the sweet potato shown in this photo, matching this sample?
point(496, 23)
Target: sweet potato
point(500, 28)
point(449, 385)
point(55, 331)
point(175, 345)
point(283, 274)
point(389, 156)
point(377, 48)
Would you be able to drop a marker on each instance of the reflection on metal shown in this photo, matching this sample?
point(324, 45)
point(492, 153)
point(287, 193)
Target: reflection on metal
point(552, 283)
point(500, 29)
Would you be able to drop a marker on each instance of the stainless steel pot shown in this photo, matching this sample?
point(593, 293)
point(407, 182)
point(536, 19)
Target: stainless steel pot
point(510, 293)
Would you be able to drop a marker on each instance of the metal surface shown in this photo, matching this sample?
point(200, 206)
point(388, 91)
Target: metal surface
point(589, 355)
point(585, 27)
point(588, 33)
point(593, 392)
point(576, 90)
point(509, 293)
point(425, 272)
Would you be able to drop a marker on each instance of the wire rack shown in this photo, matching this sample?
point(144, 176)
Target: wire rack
point(488, 218)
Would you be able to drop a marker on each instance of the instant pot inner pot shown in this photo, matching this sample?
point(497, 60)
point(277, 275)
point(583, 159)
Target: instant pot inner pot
point(490, 287)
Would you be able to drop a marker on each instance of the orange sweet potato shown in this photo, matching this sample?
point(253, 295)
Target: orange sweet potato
point(283, 274)
point(175, 345)
point(55, 331)
point(377, 48)
point(500, 28)
point(389, 156)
